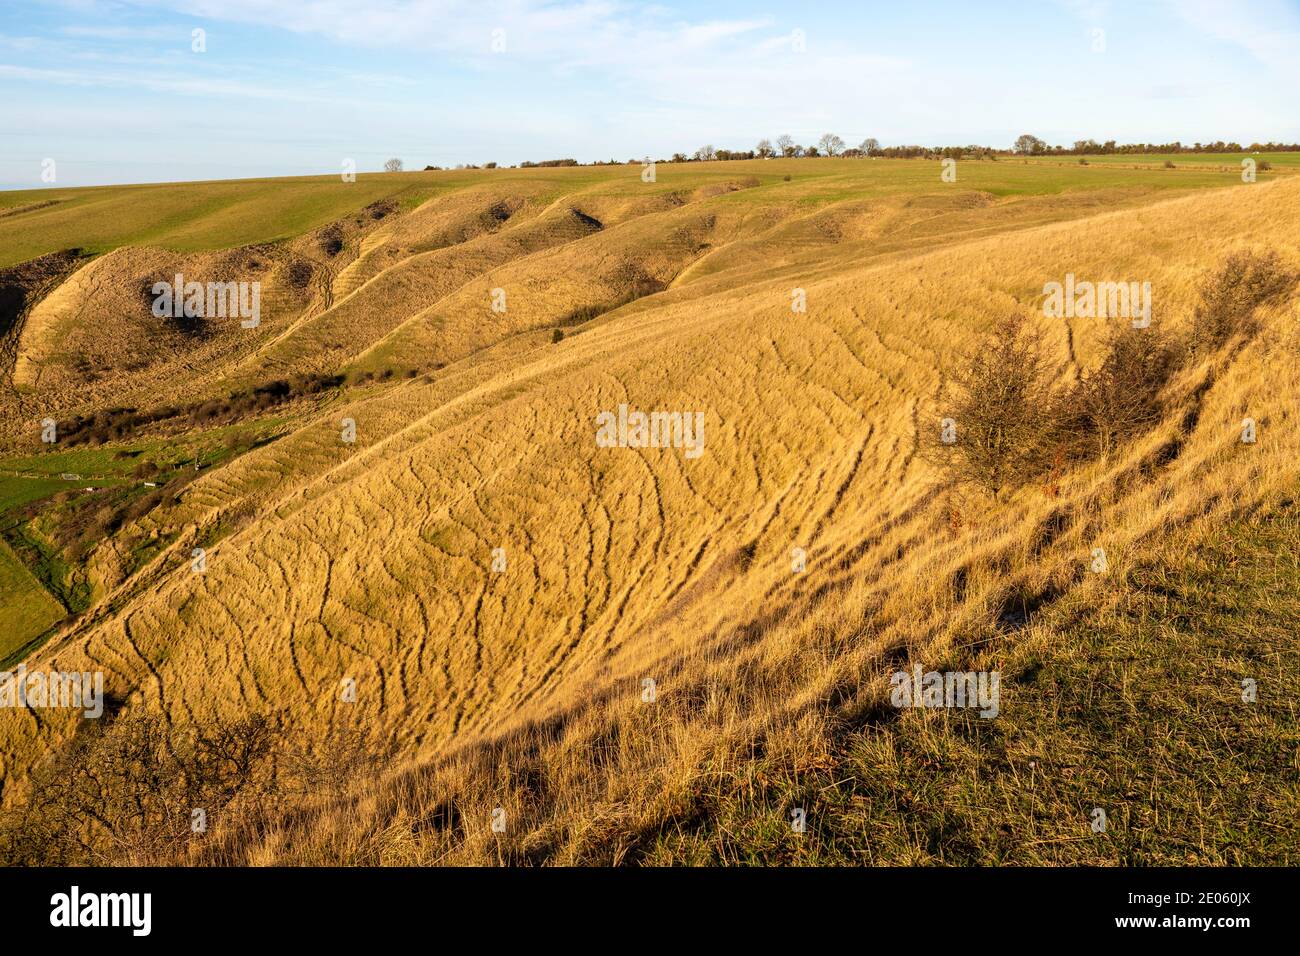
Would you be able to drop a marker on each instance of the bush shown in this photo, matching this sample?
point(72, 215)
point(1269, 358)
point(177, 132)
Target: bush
point(124, 789)
point(999, 400)
point(125, 792)
point(1230, 296)
point(1121, 398)
point(1009, 427)
point(557, 335)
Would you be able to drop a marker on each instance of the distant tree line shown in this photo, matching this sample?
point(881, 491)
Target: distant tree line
point(1030, 145)
point(829, 144)
point(1027, 145)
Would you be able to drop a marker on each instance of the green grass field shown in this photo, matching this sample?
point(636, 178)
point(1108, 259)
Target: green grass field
point(26, 607)
point(1283, 161)
point(114, 464)
point(181, 216)
point(19, 490)
point(213, 215)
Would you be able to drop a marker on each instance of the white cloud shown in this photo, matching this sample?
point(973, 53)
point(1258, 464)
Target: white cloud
point(159, 83)
point(1269, 30)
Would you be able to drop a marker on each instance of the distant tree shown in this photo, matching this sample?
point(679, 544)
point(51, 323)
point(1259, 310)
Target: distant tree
point(810, 151)
point(764, 148)
point(393, 166)
point(830, 144)
point(489, 165)
point(786, 144)
point(706, 153)
point(1028, 145)
point(680, 158)
point(870, 146)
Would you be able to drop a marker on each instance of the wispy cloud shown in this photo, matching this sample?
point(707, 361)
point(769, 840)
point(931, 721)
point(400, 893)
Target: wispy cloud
point(119, 33)
point(188, 85)
point(1269, 30)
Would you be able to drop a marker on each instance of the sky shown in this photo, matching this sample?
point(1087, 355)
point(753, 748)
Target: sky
point(118, 91)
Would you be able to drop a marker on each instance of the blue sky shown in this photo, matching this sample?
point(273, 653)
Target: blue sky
point(113, 91)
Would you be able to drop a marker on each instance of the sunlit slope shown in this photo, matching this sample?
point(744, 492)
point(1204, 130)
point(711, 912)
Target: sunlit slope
point(374, 563)
point(398, 271)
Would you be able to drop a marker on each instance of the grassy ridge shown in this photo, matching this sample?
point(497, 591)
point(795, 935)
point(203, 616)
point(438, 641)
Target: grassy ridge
point(213, 215)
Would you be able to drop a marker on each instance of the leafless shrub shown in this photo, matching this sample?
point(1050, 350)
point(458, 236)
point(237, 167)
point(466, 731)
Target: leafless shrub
point(1120, 398)
point(999, 402)
point(1230, 296)
point(127, 791)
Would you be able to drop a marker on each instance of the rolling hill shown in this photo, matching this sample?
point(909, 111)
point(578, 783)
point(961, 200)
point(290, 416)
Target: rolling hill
point(412, 533)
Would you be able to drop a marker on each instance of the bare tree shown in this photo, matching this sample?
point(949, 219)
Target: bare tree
point(764, 148)
point(706, 153)
point(870, 146)
point(831, 144)
point(785, 143)
point(997, 411)
point(393, 166)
